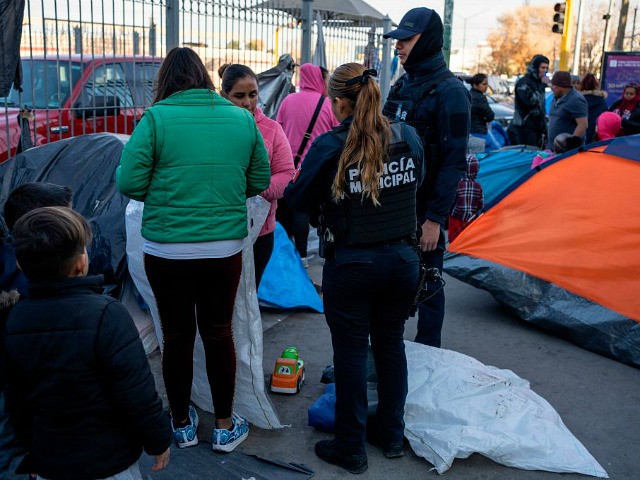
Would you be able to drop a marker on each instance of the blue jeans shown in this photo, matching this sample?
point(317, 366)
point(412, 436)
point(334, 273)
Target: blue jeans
point(7, 446)
point(368, 292)
point(431, 311)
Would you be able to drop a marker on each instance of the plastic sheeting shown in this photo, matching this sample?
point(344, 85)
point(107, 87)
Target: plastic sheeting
point(11, 13)
point(457, 406)
point(251, 400)
point(285, 283)
point(553, 308)
point(87, 165)
point(275, 84)
point(495, 138)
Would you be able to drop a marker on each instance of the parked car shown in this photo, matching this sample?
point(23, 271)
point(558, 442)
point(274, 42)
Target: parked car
point(76, 95)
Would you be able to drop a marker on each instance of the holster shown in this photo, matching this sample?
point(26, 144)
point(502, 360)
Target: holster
point(326, 243)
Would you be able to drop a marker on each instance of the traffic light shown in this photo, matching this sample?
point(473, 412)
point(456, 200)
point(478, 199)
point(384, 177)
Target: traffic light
point(558, 18)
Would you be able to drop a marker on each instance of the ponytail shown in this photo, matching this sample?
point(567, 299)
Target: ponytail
point(368, 138)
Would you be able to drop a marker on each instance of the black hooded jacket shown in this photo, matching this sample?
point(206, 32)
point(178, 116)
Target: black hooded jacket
point(431, 99)
point(530, 112)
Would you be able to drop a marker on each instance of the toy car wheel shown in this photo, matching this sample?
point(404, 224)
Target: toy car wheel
point(300, 382)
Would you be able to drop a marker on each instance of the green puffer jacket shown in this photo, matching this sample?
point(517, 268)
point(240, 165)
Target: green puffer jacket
point(193, 160)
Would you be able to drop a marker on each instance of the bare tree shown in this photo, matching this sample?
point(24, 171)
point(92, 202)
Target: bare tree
point(622, 25)
point(520, 35)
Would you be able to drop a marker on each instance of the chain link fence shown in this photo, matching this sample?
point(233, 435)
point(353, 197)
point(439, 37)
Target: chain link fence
point(89, 65)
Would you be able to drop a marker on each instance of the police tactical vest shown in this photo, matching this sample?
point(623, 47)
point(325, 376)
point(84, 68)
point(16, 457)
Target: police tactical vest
point(355, 220)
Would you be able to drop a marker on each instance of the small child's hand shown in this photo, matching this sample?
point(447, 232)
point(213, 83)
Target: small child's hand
point(162, 460)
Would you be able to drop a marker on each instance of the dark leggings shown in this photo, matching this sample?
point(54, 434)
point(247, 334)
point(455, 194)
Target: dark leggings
point(262, 250)
point(202, 292)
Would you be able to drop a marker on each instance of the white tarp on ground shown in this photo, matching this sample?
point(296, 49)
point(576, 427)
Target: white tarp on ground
point(251, 400)
point(457, 406)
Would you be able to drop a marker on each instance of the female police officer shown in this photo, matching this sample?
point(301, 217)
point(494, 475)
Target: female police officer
point(363, 176)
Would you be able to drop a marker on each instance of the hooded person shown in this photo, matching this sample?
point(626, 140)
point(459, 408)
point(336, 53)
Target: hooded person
point(295, 116)
point(430, 98)
point(608, 125)
point(529, 124)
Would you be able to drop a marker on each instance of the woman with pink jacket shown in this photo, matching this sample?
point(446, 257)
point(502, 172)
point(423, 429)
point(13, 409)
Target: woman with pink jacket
point(240, 87)
point(295, 114)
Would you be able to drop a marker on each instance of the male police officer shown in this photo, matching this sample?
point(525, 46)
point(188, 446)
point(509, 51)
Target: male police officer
point(429, 97)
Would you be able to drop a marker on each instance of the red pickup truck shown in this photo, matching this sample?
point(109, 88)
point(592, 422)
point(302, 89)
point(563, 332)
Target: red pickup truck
point(77, 95)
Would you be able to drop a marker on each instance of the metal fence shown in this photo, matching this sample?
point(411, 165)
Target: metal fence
point(89, 65)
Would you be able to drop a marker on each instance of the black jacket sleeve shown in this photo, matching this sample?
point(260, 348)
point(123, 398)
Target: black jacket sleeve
point(452, 121)
point(129, 380)
point(313, 184)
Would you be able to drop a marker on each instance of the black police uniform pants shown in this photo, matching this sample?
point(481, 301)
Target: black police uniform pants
point(368, 292)
point(431, 311)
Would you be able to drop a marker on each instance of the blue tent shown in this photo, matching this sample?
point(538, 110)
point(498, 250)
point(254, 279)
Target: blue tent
point(499, 169)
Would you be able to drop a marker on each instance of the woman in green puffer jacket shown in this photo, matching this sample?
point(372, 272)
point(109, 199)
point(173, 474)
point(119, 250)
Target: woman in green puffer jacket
point(193, 160)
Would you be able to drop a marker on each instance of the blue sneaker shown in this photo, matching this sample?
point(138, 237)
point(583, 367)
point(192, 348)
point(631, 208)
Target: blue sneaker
point(223, 440)
point(186, 436)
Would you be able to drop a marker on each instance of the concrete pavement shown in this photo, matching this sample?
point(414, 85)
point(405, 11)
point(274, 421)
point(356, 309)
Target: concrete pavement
point(596, 397)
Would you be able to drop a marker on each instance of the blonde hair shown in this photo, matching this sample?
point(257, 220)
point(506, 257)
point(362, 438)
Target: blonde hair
point(368, 138)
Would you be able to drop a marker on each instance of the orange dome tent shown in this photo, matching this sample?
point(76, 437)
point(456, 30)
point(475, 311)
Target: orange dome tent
point(562, 248)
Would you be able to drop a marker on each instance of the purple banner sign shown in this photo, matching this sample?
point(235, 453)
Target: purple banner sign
point(619, 69)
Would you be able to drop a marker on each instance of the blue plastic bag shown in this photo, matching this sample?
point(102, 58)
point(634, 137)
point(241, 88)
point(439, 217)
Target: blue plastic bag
point(322, 413)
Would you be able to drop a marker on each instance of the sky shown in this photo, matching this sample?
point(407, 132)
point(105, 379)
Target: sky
point(481, 17)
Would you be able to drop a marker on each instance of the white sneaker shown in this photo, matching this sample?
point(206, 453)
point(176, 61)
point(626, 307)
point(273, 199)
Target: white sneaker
point(224, 440)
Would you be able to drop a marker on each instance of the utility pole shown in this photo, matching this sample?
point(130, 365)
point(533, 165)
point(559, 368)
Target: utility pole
point(576, 50)
point(622, 26)
point(448, 20)
point(605, 40)
point(633, 28)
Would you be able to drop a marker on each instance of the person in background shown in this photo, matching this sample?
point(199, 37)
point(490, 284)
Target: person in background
point(629, 109)
point(295, 116)
point(529, 120)
point(430, 98)
point(608, 125)
point(367, 218)
point(590, 89)
point(569, 111)
point(13, 283)
point(193, 159)
point(80, 391)
point(481, 112)
point(469, 199)
point(240, 87)
point(628, 103)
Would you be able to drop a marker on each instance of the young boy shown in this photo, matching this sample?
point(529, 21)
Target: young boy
point(79, 389)
point(13, 283)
